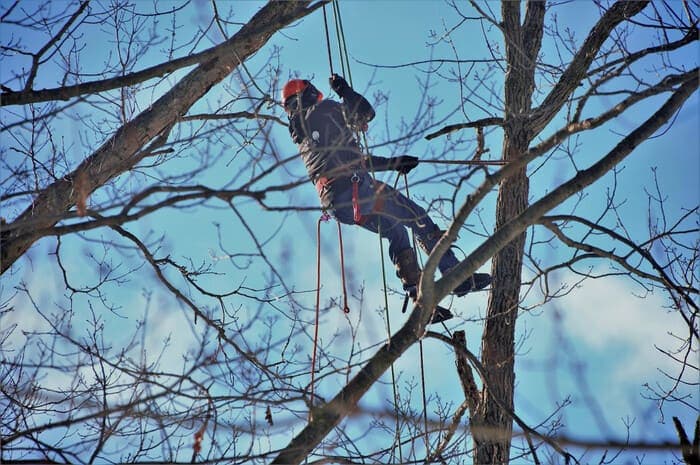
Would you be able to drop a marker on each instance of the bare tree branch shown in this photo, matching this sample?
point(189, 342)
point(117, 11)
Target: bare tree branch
point(120, 152)
point(577, 69)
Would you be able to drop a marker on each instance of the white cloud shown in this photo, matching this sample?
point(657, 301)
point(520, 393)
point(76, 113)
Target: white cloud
point(608, 318)
point(22, 319)
point(597, 347)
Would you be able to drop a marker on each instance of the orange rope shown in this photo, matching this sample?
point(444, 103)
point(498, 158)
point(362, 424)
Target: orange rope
point(318, 305)
point(346, 308)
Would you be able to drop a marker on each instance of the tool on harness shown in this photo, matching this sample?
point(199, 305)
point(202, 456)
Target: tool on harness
point(324, 183)
point(356, 212)
point(377, 207)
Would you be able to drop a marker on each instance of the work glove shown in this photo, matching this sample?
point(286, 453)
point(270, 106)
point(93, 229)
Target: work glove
point(404, 163)
point(295, 129)
point(339, 84)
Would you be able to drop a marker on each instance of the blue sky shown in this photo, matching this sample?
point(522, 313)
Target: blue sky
point(593, 348)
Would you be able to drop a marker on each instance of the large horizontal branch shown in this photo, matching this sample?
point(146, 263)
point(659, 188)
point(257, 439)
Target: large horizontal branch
point(27, 96)
point(231, 116)
point(123, 150)
point(493, 121)
point(177, 195)
point(186, 194)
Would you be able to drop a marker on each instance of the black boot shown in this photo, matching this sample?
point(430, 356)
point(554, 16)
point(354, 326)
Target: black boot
point(409, 273)
point(407, 269)
point(473, 283)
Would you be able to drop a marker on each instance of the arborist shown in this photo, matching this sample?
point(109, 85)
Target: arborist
point(324, 131)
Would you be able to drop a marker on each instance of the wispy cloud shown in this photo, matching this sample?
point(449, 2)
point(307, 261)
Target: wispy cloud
point(607, 316)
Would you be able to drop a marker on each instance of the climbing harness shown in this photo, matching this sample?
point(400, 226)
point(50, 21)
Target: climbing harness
point(328, 39)
point(318, 309)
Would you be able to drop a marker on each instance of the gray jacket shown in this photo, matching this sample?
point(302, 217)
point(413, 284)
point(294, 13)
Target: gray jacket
point(325, 134)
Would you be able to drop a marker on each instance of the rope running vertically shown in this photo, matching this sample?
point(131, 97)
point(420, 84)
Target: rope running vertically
point(345, 69)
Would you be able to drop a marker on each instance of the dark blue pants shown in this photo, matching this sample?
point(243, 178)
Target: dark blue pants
point(396, 213)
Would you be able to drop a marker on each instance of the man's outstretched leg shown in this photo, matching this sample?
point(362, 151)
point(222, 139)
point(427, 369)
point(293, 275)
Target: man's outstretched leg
point(395, 213)
point(410, 214)
point(477, 281)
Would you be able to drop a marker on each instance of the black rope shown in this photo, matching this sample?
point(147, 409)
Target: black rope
point(345, 63)
point(342, 43)
point(328, 39)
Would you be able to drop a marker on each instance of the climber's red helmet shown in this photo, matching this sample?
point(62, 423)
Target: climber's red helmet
point(303, 90)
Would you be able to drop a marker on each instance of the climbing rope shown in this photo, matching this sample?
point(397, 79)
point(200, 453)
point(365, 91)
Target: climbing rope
point(346, 309)
point(328, 39)
point(420, 342)
point(325, 217)
point(342, 44)
point(318, 309)
point(345, 69)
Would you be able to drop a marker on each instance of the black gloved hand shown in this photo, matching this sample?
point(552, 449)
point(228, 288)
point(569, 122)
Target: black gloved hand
point(404, 163)
point(339, 84)
point(295, 129)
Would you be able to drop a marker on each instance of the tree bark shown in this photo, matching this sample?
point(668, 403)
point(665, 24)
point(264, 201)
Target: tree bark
point(127, 147)
point(498, 348)
point(521, 124)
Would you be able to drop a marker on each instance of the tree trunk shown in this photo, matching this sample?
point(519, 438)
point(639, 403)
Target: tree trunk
point(493, 424)
point(521, 124)
point(499, 330)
